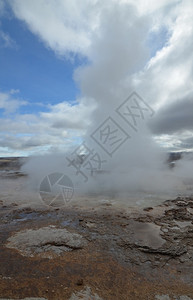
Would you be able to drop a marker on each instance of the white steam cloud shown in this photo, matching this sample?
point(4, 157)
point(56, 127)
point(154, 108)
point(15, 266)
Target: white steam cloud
point(117, 37)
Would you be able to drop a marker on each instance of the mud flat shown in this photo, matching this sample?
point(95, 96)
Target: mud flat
point(97, 253)
point(93, 248)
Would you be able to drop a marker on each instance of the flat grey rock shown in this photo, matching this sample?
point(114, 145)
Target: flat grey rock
point(49, 239)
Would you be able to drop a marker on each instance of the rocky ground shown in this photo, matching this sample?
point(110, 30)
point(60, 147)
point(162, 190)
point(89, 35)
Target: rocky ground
point(100, 252)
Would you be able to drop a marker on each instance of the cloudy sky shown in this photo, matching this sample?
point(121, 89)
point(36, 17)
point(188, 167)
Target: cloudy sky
point(60, 60)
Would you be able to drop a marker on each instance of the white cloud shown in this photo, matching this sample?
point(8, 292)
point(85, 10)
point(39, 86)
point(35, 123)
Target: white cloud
point(6, 41)
point(72, 26)
point(76, 116)
point(167, 80)
point(151, 6)
point(64, 26)
point(10, 104)
point(58, 128)
point(2, 7)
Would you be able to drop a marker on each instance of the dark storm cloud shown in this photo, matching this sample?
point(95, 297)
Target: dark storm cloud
point(174, 117)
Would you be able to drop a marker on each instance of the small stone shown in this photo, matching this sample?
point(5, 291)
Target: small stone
point(148, 208)
point(80, 282)
point(90, 225)
point(164, 229)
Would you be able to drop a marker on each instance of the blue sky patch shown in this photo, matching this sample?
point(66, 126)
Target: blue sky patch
point(33, 69)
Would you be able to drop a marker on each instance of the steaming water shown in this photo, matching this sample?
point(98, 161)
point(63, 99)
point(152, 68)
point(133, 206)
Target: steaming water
point(19, 191)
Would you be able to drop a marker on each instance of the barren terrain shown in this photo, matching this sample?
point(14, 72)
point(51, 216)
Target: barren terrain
point(99, 251)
